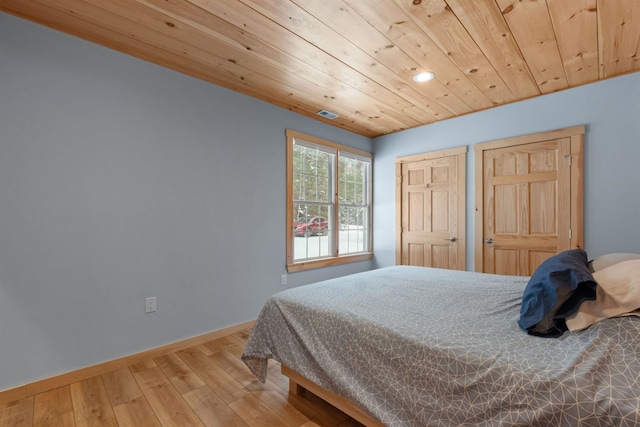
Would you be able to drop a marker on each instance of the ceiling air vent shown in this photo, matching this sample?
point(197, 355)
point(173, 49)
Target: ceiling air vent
point(328, 114)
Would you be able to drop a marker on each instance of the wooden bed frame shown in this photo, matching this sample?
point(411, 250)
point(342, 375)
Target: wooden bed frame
point(299, 384)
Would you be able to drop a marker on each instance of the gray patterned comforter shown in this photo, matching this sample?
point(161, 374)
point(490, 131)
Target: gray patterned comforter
point(415, 346)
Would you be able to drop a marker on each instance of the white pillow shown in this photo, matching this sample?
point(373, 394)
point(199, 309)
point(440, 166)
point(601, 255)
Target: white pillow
point(607, 260)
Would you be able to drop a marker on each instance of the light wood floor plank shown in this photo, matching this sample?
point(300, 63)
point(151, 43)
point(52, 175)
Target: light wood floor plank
point(233, 366)
point(121, 386)
point(275, 375)
point(278, 402)
point(129, 404)
point(258, 413)
point(165, 401)
point(229, 343)
point(213, 375)
point(91, 404)
point(211, 409)
point(242, 335)
point(17, 414)
point(136, 413)
point(179, 373)
point(143, 365)
point(54, 408)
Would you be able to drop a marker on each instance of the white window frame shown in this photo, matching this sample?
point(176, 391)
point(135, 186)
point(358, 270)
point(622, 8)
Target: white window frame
point(334, 257)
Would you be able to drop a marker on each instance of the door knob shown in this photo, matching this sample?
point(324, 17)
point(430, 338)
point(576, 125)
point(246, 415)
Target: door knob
point(451, 239)
point(489, 241)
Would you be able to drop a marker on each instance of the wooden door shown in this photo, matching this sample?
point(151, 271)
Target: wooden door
point(528, 200)
point(430, 210)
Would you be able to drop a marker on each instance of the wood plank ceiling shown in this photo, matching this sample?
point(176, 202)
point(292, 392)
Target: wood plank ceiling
point(357, 58)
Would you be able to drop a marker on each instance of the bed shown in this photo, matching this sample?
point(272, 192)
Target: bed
point(416, 346)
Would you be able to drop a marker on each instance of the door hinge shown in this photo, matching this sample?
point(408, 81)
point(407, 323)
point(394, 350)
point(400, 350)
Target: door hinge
point(570, 234)
point(568, 157)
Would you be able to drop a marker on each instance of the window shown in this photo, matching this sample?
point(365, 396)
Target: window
point(328, 203)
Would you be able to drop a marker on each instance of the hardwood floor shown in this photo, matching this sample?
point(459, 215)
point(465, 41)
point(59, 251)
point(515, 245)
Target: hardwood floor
point(203, 385)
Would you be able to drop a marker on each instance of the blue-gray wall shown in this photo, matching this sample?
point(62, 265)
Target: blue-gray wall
point(121, 180)
point(611, 112)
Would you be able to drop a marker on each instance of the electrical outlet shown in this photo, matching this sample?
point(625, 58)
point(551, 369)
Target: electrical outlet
point(283, 280)
point(150, 305)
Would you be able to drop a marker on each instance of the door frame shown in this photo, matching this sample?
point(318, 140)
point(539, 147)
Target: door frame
point(460, 153)
point(576, 134)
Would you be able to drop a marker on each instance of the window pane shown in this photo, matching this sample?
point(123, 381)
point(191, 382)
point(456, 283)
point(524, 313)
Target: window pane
point(341, 191)
point(359, 197)
point(353, 210)
point(299, 190)
point(312, 173)
point(353, 179)
point(350, 193)
point(313, 209)
point(312, 231)
point(354, 231)
point(310, 188)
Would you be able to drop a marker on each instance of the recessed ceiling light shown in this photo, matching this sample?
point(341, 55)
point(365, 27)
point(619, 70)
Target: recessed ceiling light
point(423, 77)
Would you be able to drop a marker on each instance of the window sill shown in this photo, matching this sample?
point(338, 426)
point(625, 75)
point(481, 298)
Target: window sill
point(326, 262)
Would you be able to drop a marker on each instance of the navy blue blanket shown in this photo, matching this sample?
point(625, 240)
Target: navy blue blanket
point(555, 290)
